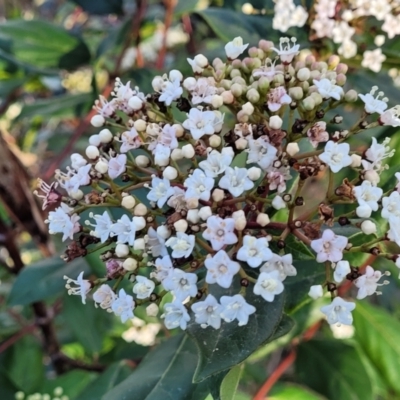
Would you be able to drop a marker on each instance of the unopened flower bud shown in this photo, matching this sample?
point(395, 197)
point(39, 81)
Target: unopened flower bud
point(95, 140)
point(242, 116)
point(227, 97)
point(240, 220)
point(218, 195)
point(139, 244)
point(342, 68)
point(192, 203)
point(296, 93)
point(275, 122)
point(205, 212)
point(105, 136)
point(152, 310)
point(92, 152)
point(341, 79)
point(263, 84)
point(292, 148)
point(278, 203)
point(265, 45)
point(175, 75)
point(248, 108)
point(254, 173)
point(130, 264)
point(351, 96)
point(372, 176)
point(333, 61)
point(140, 210)
point(121, 250)
point(170, 173)
point(201, 60)
point(317, 98)
point(97, 121)
point(355, 161)
point(101, 166)
point(217, 101)
point(262, 219)
point(179, 131)
point(214, 140)
point(163, 232)
point(279, 79)
point(139, 223)
point(303, 74)
point(193, 216)
point(140, 125)
point(316, 291)
point(181, 225)
point(236, 89)
point(142, 161)
point(368, 227)
point(188, 151)
point(235, 73)
point(76, 195)
point(252, 95)
point(176, 154)
point(189, 83)
point(135, 103)
point(363, 211)
point(128, 202)
point(241, 143)
point(309, 103)
point(157, 83)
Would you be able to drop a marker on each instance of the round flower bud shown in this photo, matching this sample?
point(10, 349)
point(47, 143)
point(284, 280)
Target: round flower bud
point(252, 95)
point(248, 108)
point(92, 152)
point(121, 250)
point(140, 125)
point(181, 225)
point(254, 173)
point(241, 144)
point(342, 68)
point(163, 232)
point(278, 203)
point(205, 212)
point(105, 136)
point(139, 244)
point(201, 60)
point(157, 83)
point(140, 210)
point(214, 140)
point(218, 195)
point(242, 116)
point(309, 103)
point(235, 73)
point(189, 83)
point(296, 93)
point(174, 75)
point(333, 61)
point(101, 166)
point(97, 121)
point(351, 96)
point(176, 154)
point(130, 264)
point(227, 97)
point(170, 173)
point(77, 195)
point(275, 122)
point(135, 103)
point(192, 203)
point(217, 101)
point(95, 140)
point(372, 176)
point(236, 89)
point(263, 84)
point(240, 220)
point(363, 211)
point(317, 98)
point(368, 227)
point(193, 216)
point(315, 74)
point(265, 45)
point(139, 223)
point(303, 74)
point(152, 310)
point(179, 131)
point(142, 161)
point(341, 79)
point(188, 151)
point(128, 202)
point(253, 51)
point(153, 129)
point(292, 148)
point(355, 161)
point(316, 291)
point(262, 219)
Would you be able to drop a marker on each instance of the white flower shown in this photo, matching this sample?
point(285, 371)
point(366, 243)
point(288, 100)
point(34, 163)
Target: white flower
point(143, 288)
point(170, 91)
point(391, 117)
point(373, 59)
point(123, 306)
point(287, 52)
point(161, 191)
point(61, 222)
point(221, 269)
point(367, 194)
point(163, 268)
point(277, 97)
point(155, 243)
point(254, 251)
point(317, 133)
point(175, 315)
point(235, 181)
point(234, 48)
point(130, 140)
point(348, 48)
point(316, 291)
point(125, 229)
point(182, 245)
point(236, 307)
point(342, 31)
point(198, 185)
point(200, 123)
point(268, 285)
point(77, 161)
point(342, 268)
point(391, 205)
point(207, 312)
point(181, 283)
point(104, 296)
point(330, 247)
point(377, 153)
point(202, 91)
point(117, 166)
point(268, 70)
point(82, 287)
point(368, 283)
point(102, 226)
point(216, 162)
point(339, 311)
point(277, 178)
point(261, 152)
point(198, 63)
point(282, 264)
point(374, 104)
point(394, 230)
point(80, 178)
point(220, 232)
point(336, 156)
point(328, 89)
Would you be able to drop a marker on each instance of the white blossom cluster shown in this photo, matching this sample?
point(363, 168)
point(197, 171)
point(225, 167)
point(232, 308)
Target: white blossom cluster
point(199, 185)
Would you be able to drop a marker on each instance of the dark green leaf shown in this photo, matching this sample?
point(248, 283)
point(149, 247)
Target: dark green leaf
point(8, 389)
point(292, 391)
point(231, 382)
point(378, 334)
point(298, 249)
point(9, 84)
point(334, 369)
point(43, 279)
point(165, 373)
point(214, 382)
point(101, 7)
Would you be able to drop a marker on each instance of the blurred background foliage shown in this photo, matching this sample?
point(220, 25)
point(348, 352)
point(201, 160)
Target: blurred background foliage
point(56, 58)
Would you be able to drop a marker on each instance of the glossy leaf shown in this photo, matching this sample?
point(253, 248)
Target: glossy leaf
point(43, 279)
point(165, 373)
point(298, 249)
point(378, 334)
point(334, 369)
point(231, 382)
point(291, 391)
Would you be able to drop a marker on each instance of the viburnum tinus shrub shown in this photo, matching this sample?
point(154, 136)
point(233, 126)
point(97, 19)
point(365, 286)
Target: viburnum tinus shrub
point(195, 192)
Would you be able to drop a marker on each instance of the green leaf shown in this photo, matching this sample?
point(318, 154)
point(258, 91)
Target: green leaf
point(334, 369)
point(165, 373)
point(43, 279)
point(378, 334)
point(292, 391)
point(111, 377)
point(298, 249)
point(231, 344)
point(38, 45)
point(101, 7)
point(9, 84)
point(231, 382)
point(239, 160)
point(296, 287)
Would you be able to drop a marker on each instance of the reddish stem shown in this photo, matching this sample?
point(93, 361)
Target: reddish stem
point(13, 339)
point(169, 13)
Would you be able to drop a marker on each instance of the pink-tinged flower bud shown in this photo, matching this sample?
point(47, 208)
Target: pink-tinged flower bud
point(188, 151)
point(368, 227)
point(135, 103)
point(292, 148)
point(342, 68)
point(97, 121)
point(95, 140)
point(356, 161)
point(262, 219)
point(265, 45)
point(310, 59)
point(214, 140)
point(333, 61)
point(140, 210)
point(181, 225)
point(152, 310)
point(303, 74)
point(237, 64)
point(236, 89)
point(170, 173)
point(241, 143)
point(218, 195)
point(253, 52)
point(92, 152)
point(253, 96)
point(217, 101)
point(140, 125)
point(217, 63)
point(235, 73)
point(309, 103)
point(227, 97)
point(372, 176)
point(341, 79)
point(299, 65)
point(193, 216)
point(128, 202)
point(121, 250)
point(315, 74)
point(105, 136)
point(351, 96)
point(142, 161)
point(275, 122)
point(130, 264)
point(254, 173)
point(101, 166)
point(296, 93)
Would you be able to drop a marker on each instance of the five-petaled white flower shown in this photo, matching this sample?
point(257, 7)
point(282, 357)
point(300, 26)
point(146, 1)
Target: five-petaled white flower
point(254, 251)
point(286, 52)
point(61, 222)
point(391, 117)
point(339, 311)
point(374, 104)
point(282, 264)
point(220, 232)
point(161, 191)
point(81, 288)
point(207, 312)
point(277, 97)
point(143, 288)
point(216, 162)
point(368, 283)
point(117, 166)
point(268, 285)
point(342, 268)
point(104, 296)
point(182, 284)
point(261, 152)
point(336, 156)
point(124, 229)
point(394, 229)
point(163, 268)
point(391, 205)
point(236, 307)
point(182, 245)
point(368, 195)
point(198, 185)
point(235, 48)
point(330, 247)
point(123, 306)
point(235, 181)
point(200, 123)
point(221, 269)
point(102, 226)
point(175, 314)
point(328, 89)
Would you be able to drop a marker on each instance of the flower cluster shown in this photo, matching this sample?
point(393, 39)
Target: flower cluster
point(193, 191)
